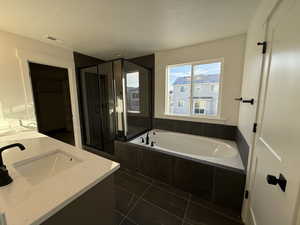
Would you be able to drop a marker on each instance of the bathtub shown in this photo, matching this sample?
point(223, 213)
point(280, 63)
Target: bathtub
point(192, 147)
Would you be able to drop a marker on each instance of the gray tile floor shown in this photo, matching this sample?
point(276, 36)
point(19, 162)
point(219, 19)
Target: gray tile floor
point(141, 200)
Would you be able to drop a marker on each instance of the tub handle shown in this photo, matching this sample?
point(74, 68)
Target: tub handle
point(152, 143)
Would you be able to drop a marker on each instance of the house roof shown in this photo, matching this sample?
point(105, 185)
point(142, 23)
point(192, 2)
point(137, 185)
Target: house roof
point(211, 78)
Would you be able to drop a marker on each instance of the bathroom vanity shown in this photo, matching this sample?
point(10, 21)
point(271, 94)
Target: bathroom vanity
point(55, 183)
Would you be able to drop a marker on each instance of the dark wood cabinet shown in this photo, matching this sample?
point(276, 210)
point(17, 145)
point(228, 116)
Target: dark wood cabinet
point(94, 207)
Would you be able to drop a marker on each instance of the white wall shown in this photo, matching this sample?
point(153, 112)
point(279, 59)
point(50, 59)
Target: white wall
point(230, 49)
point(16, 99)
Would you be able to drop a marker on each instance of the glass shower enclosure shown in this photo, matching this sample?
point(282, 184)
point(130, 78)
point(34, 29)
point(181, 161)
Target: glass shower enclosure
point(115, 100)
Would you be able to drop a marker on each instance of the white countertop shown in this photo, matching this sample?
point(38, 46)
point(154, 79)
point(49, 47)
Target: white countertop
point(26, 204)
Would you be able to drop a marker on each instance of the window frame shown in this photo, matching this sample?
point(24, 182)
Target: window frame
point(193, 63)
point(126, 92)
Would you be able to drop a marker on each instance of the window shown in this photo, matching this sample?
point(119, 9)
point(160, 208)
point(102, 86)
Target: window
point(180, 103)
point(195, 88)
point(133, 92)
point(199, 107)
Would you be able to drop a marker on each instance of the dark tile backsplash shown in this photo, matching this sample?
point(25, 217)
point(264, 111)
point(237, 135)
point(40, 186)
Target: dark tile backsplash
point(196, 128)
point(243, 147)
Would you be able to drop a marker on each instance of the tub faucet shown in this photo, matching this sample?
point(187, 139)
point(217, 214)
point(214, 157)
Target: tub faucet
point(5, 179)
point(147, 138)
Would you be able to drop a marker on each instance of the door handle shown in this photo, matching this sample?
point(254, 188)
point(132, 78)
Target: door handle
point(251, 101)
point(281, 181)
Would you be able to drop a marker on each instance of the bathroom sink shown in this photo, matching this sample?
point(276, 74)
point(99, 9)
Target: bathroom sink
point(7, 132)
point(40, 168)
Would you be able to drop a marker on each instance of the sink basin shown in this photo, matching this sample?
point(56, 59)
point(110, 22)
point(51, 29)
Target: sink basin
point(43, 167)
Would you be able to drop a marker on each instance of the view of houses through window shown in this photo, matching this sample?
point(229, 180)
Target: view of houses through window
point(193, 89)
point(133, 92)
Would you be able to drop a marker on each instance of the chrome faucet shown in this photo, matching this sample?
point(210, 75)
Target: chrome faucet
point(5, 179)
point(30, 125)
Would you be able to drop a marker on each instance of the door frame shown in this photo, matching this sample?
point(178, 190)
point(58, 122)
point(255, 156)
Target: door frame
point(25, 57)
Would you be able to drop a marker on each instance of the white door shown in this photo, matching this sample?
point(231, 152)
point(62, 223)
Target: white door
point(251, 89)
point(277, 149)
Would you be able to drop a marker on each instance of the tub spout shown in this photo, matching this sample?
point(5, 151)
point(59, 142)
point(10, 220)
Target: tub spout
point(147, 138)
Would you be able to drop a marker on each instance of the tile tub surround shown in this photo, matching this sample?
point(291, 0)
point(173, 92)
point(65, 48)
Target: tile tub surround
point(23, 199)
point(207, 130)
point(194, 147)
point(196, 128)
point(243, 147)
point(143, 200)
point(214, 184)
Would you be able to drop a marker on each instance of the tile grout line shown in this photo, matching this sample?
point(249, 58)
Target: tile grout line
point(157, 185)
point(130, 210)
point(170, 192)
point(186, 209)
point(164, 210)
point(146, 178)
point(152, 184)
point(189, 200)
point(217, 211)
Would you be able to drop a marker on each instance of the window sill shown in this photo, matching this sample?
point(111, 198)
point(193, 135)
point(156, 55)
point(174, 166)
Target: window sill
point(192, 118)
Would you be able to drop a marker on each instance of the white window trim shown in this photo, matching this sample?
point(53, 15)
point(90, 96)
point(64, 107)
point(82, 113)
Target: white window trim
point(125, 91)
point(215, 117)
